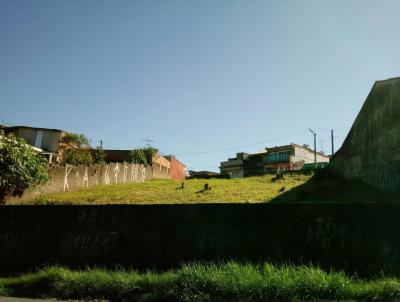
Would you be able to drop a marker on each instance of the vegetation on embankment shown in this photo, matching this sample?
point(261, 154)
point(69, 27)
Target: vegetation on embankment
point(293, 188)
point(252, 189)
point(201, 282)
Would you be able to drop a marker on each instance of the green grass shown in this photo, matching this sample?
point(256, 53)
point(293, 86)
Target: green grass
point(298, 188)
point(252, 189)
point(202, 282)
point(327, 188)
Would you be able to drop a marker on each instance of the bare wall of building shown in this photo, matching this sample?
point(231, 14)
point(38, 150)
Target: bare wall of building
point(48, 139)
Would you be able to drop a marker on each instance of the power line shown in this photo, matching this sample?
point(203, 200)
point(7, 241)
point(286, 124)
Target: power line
point(334, 128)
point(242, 146)
point(236, 147)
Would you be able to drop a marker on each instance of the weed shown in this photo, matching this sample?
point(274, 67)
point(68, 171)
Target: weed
point(229, 281)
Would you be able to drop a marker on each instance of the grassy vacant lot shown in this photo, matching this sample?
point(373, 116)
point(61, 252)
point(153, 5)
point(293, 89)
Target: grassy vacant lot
point(202, 282)
point(253, 189)
point(297, 188)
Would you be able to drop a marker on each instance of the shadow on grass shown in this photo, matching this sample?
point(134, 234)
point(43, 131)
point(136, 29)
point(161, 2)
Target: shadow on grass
point(325, 186)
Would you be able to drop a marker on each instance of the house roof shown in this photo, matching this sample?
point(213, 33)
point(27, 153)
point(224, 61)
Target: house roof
point(28, 127)
point(203, 172)
point(116, 155)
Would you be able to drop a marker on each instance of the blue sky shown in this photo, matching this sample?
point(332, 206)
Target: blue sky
point(195, 76)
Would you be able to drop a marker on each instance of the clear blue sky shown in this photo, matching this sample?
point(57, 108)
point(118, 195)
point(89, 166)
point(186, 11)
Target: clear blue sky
point(194, 76)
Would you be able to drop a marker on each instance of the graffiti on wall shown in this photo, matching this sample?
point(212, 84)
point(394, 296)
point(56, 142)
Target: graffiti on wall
point(326, 231)
point(113, 173)
point(68, 169)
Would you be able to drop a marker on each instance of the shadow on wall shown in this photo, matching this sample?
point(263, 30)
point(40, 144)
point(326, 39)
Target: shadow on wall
point(326, 186)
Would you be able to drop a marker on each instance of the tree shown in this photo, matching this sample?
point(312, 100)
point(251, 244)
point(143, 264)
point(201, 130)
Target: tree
point(143, 156)
point(77, 140)
point(77, 157)
point(76, 149)
point(99, 156)
point(150, 152)
point(20, 167)
point(138, 156)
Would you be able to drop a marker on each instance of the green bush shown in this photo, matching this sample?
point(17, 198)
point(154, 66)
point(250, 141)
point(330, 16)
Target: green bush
point(76, 139)
point(77, 157)
point(20, 167)
point(138, 156)
point(99, 156)
point(143, 156)
point(76, 149)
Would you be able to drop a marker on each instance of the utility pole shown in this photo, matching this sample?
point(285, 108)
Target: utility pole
point(101, 166)
point(315, 146)
point(333, 149)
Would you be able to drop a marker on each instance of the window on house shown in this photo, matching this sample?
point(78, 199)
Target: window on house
point(39, 138)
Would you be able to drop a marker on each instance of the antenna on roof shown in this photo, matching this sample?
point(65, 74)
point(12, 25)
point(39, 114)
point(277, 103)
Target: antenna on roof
point(315, 145)
point(321, 144)
point(5, 123)
point(148, 141)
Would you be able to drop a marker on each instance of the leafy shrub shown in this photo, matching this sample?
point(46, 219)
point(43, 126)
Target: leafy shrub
point(76, 149)
point(99, 156)
point(77, 157)
point(143, 156)
point(20, 167)
point(138, 156)
point(76, 139)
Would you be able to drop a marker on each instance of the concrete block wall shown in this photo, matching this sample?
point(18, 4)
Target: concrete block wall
point(164, 236)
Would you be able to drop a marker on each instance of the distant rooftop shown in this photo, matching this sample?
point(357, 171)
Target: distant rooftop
point(29, 127)
point(305, 147)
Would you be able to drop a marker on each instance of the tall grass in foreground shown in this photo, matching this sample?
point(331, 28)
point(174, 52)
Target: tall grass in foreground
point(201, 282)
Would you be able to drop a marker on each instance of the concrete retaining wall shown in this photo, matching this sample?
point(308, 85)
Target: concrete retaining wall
point(69, 178)
point(371, 149)
point(361, 237)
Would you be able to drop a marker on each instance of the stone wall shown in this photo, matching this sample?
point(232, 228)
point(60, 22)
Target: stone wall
point(371, 149)
point(353, 237)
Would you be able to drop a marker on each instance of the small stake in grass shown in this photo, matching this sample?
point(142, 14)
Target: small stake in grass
point(205, 188)
point(278, 176)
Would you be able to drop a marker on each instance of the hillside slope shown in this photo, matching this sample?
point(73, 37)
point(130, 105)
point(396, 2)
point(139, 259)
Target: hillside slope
point(294, 188)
